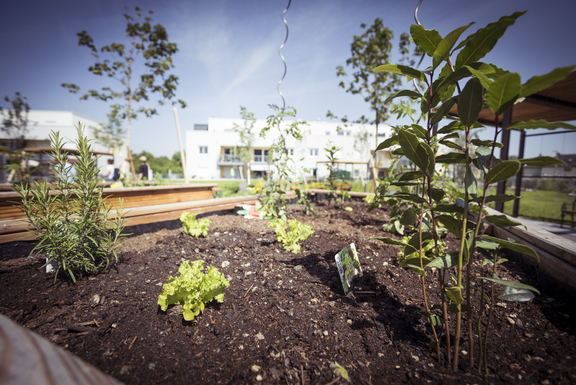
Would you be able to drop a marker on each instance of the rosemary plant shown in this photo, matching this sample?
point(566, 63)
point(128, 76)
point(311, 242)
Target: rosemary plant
point(70, 218)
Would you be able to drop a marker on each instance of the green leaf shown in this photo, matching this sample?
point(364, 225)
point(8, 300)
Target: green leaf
point(343, 373)
point(452, 224)
point(436, 320)
point(486, 144)
point(535, 124)
point(483, 162)
point(501, 221)
point(451, 144)
point(455, 295)
point(408, 218)
point(437, 194)
point(512, 294)
point(541, 161)
point(410, 93)
point(504, 282)
point(452, 208)
point(502, 94)
point(419, 131)
point(451, 158)
point(402, 70)
point(443, 110)
point(497, 198)
point(411, 175)
point(503, 171)
point(388, 143)
point(409, 197)
point(424, 147)
point(456, 126)
point(390, 241)
point(445, 261)
point(538, 83)
point(470, 102)
point(483, 40)
point(484, 80)
point(426, 39)
point(410, 264)
point(399, 227)
point(486, 245)
point(464, 72)
point(513, 246)
point(411, 147)
point(470, 183)
point(446, 44)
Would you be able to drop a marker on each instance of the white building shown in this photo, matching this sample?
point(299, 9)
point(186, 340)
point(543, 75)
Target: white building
point(41, 123)
point(210, 149)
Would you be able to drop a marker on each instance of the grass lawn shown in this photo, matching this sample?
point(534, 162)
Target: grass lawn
point(538, 205)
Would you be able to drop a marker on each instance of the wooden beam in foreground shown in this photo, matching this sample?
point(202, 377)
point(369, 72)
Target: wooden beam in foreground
point(27, 358)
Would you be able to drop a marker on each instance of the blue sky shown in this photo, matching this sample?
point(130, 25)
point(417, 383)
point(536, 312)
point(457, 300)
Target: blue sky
point(229, 54)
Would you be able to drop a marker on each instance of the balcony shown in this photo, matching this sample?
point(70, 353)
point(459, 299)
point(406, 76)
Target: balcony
point(230, 160)
point(260, 158)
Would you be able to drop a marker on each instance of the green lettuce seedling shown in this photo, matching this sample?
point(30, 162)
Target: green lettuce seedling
point(194, 227)
point(192, 289)
point(297, 232)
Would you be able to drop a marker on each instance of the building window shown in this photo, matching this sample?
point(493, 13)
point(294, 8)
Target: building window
point(203, 149)
point(327, 132)
point(260, 155)
point(382, 134)
point(313, 152)
point(348, 133)
point(290, 151)
point(340, 133)
point(200, 127)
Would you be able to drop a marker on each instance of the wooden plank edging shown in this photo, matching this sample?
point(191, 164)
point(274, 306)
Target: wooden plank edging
point(16, 229)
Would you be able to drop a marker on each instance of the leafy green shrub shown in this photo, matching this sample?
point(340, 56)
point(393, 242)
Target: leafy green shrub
point(192, 226)
point(70, 217)
point(192, 289)
point(331, 165)
point(486, 86)
point(297, 232)
point(272, 200)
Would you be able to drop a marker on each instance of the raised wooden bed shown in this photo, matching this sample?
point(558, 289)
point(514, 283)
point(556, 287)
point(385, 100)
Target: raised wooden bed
point(132, 197)
point(14, 230)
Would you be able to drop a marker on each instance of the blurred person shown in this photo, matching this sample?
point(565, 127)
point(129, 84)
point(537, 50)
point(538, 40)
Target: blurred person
point(143, 169)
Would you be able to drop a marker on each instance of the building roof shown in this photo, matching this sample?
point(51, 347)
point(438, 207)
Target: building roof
point(553, 104)
point(69, 151)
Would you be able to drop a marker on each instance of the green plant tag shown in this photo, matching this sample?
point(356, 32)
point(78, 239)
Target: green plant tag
point(348, 266)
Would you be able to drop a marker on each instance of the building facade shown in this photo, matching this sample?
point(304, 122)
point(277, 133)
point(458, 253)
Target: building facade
point(41, 123)
point(211, 154)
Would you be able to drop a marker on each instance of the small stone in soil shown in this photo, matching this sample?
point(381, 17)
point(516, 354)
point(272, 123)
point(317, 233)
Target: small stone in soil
point(255, 368)
point(259, 336)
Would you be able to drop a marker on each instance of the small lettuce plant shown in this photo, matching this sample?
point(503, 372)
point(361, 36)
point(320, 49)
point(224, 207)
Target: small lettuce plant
point(192, 289)
point(297, 232)
point(194, 227)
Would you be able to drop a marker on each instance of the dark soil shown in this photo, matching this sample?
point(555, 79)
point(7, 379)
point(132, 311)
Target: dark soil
point(284, 318)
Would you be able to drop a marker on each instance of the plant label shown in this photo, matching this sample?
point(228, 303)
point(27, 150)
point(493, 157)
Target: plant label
point(348, 266)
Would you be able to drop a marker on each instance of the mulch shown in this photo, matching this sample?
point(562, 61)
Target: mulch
point(284, 318)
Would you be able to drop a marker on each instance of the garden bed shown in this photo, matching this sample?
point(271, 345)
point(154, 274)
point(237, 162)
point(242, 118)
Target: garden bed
point(284, 318)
